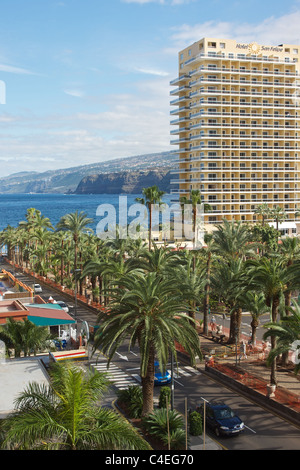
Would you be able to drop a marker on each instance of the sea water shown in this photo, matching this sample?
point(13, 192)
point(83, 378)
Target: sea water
point(13, 207)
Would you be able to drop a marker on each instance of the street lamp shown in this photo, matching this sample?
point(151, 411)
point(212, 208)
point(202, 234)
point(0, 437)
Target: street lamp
point(75, 309)
point(172, 381)
point(236, 348)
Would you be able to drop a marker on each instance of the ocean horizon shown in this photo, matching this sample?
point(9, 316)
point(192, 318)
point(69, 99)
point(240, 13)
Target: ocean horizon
point(13, 207)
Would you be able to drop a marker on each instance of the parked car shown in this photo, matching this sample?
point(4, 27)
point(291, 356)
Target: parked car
point(159, 377)
point(221, 418)
point(37, 288)
point(63, 305)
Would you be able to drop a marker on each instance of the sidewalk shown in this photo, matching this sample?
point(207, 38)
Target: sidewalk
point(252, 373)
point(254, 363)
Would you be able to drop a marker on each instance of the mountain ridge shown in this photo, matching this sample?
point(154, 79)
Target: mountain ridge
point(66, 180)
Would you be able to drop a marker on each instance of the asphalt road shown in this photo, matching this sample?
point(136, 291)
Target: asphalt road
point(264, 430)
point(82, 313)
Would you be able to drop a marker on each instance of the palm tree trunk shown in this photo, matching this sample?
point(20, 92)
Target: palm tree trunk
point(206, 298)
point(254, 326)
point(235, 326)
point(287, 301)
point(150, 225)
point(62, 264)
point(275, 306)
point(148, 385)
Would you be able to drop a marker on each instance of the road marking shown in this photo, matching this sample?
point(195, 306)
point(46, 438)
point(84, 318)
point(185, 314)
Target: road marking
point(122, 357)
point(117, 376)
point(133, 353)
point(185, 374)
point(254, 432)
point(194, 371)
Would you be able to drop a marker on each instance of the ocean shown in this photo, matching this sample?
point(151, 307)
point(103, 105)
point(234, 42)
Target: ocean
point(13, 207)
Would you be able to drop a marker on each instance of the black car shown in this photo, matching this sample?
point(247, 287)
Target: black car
point(221, 418)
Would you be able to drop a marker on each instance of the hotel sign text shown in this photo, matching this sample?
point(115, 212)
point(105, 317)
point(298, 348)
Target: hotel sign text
point(262, 48)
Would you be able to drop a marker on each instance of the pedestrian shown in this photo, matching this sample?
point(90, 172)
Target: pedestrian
point(243, 354)
point(213, 323)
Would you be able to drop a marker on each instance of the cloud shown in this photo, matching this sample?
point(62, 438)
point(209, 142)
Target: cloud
point(161, 2)
point(17, 70)
point(130, 124)
point(272, 31)
point(76, 93)
point(159, 73)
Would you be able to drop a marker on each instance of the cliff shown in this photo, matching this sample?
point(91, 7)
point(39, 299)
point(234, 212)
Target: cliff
point(67, 180)
point(129, 182)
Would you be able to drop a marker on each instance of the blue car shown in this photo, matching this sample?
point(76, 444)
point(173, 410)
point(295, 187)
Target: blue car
point(221, 419)
point(159, 377)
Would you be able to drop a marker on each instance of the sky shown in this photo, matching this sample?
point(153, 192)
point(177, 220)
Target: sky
point(85, 81)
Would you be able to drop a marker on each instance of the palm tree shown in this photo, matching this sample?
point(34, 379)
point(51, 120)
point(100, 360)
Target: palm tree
point(254, 303)
point(287, 333)
point(66, 416)
point(208, 250)
point(278, 215)
point(159, 260)
point(289, 252)
point(227, 285)
point(264, 211)
point(191, 281)
point(75, 223)
point(148, 310)
point(195, 199)
point(24, 336)
point(232, 240)
point(269, 276)
point(152, 195)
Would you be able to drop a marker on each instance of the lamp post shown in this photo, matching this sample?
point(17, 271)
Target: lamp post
point(172, 381)
point(236, 348)
point(75, 291)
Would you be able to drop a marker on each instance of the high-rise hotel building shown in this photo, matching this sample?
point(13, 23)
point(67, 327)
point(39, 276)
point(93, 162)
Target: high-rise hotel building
point(236, 121)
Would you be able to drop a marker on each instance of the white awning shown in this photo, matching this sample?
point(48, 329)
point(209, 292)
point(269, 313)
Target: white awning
point(284, 225)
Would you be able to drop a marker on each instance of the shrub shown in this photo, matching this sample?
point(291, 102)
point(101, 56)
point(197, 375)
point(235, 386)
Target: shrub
point(177, 439)
point(132, 397)
point(165, 393)
point(156, 424)
point(195, 422)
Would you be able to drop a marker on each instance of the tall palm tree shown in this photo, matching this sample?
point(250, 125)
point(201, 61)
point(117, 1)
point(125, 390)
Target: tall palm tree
point(195, 199)
point(232, 240)
point(191, 280)
point(287, 333)
point(76, 223)
point(289, 252)
point(152, 195)
point(66, 416)
point(254, 303)
point(263, 210)
point(208, 249)
point(269, 276)
point(159, 260)
point(278, 215)
point(147, 310)
point(227, 285)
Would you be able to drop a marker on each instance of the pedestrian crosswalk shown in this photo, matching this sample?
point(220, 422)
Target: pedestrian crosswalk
point(117, 376)
point(122, 379)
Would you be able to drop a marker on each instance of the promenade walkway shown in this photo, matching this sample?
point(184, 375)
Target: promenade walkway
point(252, 370)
